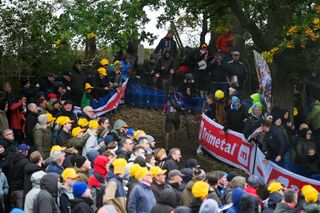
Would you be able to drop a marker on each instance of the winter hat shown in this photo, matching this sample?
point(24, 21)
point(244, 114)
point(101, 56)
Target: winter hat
point(16, 210)
point(150, 138)
point(209, 206)
point(235, 100)
point(255, 106)
point(200, 189)
point(83, 122)
point(182, 209)
point(93, 124)
point(79, 188)
point(231, 175)
point(130, 132)
point(23, 147)
point(275, 186)
point(119, 166)
point(79, 161)
point(199, 175)
point(109, 138)
point(254, 181)
point(43, 119)
point(238, 182)
point(133, 169)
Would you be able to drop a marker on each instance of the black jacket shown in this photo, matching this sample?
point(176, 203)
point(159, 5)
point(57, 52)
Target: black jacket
point(29, 169)
point(46, 86)
point(78, 80)
point(31, 121)
point(16, 177)
point(217, 72)
point(195, 205)
point(123, 154)
point(81, 205)
point(276, 143)
point(62, 137)
point(157, 189)
point(251, 124)
point(166, 202)
point(177, 191)
point(192, 87)
point(164, 67)
point(237, 68)
point(167, 43)
point(99, 85)
point(170, 164)
point(235, 119)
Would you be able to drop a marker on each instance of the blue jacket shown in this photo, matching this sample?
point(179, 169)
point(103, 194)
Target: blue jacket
point(54, 168)
point(124, 71)
point(141, 199)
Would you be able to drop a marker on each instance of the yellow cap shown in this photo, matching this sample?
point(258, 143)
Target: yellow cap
point(88, 86)
point(141, 172)
point(139, 133)
point(117, 63)
point(57, 148)
point(83, 122)
point(50, 117)
point(275, 186)
point(93, 124)
point(219, 94)
point(156, 170)
point(69, 173)
point(200, 189)
point(104, 62)
point(62, 120)
point(76, 131)
point(102, 71)
point(119, 166)
point(295, 111)
point(310, 194)
point(133, 169)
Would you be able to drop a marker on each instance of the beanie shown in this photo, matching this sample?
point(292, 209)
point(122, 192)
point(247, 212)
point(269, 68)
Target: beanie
point(231, 175)
point(209, 206)
point(80, 160)
point(200, 189)
point(79, 189)
point(43, 119)
point(182, 209)
point(238, 182)
point(199, 174)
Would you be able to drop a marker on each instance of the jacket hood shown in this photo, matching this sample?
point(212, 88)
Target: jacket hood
point(49, 182)
point(236, 196)
point(249, 203)
point(36, 178)
point(118, 124)
point(31, 168)
point(167, 196)
point(100, 165)
point(39, 126)
point(274, 199)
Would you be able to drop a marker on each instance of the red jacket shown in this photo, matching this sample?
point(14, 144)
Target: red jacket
point(253, 191)
point(225, 43)
point(17, 118)
point(99, 171)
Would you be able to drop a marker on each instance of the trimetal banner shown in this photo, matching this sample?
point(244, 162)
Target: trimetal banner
point(232, 148)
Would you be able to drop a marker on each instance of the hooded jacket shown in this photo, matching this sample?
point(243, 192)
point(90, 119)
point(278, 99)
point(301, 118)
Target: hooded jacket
point(116, 128)
point(32, 194)
point(166, 202)
point(276, 143)
point(235, 119)
point(236, 198)
point(314, 115)
point(42, 140)
point(45, 200)
point(273, 200)
point(29, 169)
point(99, 172)
point(81, 205)
point(91, 144)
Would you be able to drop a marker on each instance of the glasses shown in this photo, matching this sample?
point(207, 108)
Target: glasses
point(11, 133)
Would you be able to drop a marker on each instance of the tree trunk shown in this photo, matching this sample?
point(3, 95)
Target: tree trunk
point(91, 48)
point(204, 30)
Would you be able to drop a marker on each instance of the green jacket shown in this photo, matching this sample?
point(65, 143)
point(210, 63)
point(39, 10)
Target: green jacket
point(42, 140)
point(78, 143)
point(314, 115)
point(85, 100)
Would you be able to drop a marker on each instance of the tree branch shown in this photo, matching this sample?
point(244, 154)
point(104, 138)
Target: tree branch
point(250, 26)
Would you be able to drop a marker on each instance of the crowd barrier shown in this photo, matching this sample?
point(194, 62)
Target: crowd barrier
point(233, 149)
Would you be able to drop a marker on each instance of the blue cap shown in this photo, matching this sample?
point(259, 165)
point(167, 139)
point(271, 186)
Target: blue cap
point(16, 210)
point(23, 147)
point(235, 99)
point(130, 132)
point(109, 139)
point(255, 106)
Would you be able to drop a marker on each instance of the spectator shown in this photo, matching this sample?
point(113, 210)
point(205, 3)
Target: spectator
point(57, 158)
point(83, 123)
point(225, 43)
point(104, 125)
point(249, 203)
point(150, 161)
point(126, 150)
point(171, 162)
point(252, 186)
point(100, 82)
point(200, 192)
point(32, 194)
point(189, 87)
point(253, 122)
point(4, 190)
point(235, 182)
point(160, 155)
point(149, 71)
point(311, 199)
point(143, 142)
point(221, 106)
point(237, 70)
point(114, 193)
point(174, 183)
point(82, 166)
point(165, 70)
point(217, 75)
point(203, 76)
point(17, 118)
point(126, 67)
point(78, 139)
point(289, 202)
point(42, 136)
point(167, 43)
point(210, 106)
point(42, 105)
point(16, 177)
point(236, 116)
point(99, 171)
point(120, 127)
point(67, 110)
point(31, 121)
point(152, 144)
point(70, 177)
point(187, 197)
point(7, 141)
point(236, 198)
point(82, 201)
point(216, 180)
point(191, 166)
point(92, 142)
point(87, 98)
point(141, 198)
point(78, 79)
point(34, 165)
point(47, 83)
point(272, 202)
point(88, 113)
point(64, 133)
point(165, 203)
point(159, 179)
point(118, 70)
